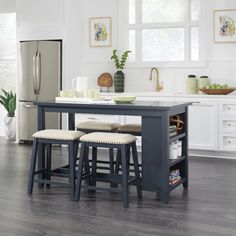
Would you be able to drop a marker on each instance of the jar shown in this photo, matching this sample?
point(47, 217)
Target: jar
point(173, 149)
point(191, 84)
point(203, 81)
point(179, 149)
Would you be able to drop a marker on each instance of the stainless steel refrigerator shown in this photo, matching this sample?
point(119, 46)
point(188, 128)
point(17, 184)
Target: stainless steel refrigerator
point(40, 72)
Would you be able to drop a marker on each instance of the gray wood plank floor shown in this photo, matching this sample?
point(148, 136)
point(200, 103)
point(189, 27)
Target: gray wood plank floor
point(207, 208)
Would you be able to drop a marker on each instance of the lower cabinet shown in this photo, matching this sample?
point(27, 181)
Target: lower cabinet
point(212, 122)
point(203, 125)
point(227, 125)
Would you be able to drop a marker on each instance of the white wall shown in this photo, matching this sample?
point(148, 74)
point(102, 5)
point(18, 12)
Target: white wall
point(80, 59)
point(7, 6)
point(69, 20)
point(221, 59)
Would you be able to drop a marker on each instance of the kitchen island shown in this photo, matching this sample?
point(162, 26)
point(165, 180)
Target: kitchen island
point(156, 165)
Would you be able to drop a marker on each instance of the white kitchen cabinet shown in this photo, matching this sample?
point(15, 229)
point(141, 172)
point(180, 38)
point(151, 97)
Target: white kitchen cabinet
point(227, 142)
point(227, 125)
point(203, 125)
point(203, 121)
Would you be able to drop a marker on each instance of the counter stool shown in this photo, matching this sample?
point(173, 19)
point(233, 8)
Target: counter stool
point(133, 129)
point(98, 126)
point(122, 142)
point(47, 138)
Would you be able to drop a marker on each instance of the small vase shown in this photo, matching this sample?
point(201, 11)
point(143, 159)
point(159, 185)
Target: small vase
point(10, 128)
point(119, 81)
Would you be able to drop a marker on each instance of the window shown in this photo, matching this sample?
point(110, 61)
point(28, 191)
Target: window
point(167, 32)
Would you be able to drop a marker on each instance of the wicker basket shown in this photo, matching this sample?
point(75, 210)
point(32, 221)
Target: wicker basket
point(217, 91)
point(178, 121)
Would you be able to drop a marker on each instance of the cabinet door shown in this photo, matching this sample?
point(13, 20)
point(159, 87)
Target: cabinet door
point(203, 128)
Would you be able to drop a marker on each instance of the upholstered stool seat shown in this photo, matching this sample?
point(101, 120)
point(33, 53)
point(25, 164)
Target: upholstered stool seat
point(108, 138)
point(46, 138)
point(55, 134)
point(123, 143)
point(92, 126)
point(134, 129)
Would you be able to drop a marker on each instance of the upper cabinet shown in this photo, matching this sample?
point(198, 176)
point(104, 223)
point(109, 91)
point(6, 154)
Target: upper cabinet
point(39, 19)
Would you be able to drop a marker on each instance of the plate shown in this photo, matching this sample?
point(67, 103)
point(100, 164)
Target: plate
point(124, 99)
point(217, 91)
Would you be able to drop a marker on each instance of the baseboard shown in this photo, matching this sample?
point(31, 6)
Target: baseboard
point(212, 154)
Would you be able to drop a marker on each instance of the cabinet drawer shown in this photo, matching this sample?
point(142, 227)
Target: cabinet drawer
point(227, 108)
point(227, 124)
point(227, 142)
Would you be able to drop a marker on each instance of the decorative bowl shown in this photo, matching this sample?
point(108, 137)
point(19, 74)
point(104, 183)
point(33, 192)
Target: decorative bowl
point(217, 91)
point(124, 99)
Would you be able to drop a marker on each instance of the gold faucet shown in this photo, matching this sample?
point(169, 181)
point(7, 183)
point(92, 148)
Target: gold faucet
point(159, 86)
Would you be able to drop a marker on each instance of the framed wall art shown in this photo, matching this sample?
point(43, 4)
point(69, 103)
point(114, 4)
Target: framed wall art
point(225, 26)
point(100, 32)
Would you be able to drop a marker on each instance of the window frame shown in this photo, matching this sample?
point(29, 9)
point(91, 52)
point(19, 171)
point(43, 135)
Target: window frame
point(124, 27)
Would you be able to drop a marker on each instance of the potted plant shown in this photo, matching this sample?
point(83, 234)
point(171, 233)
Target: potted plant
point(8, 100)
point(119, 76)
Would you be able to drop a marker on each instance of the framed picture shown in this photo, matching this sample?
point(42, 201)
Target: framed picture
point(225, 26)
point(100, 32)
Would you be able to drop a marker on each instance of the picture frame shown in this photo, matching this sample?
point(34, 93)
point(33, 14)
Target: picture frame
point(100, 32)
point(225, 26)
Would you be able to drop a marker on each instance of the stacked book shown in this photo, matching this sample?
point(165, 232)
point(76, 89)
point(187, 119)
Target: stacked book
point(172, 130)
point(174, 177)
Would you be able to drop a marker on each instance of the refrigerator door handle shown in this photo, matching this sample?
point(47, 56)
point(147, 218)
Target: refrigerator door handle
point(34, 74)
point(29, 106)
point(38, 71)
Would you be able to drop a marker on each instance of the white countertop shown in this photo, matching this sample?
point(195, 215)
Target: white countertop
point(171, 94)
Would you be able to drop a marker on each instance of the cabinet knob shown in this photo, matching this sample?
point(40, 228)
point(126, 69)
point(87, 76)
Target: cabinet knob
point(229, 108)
point(229, 141)
point(229, 124)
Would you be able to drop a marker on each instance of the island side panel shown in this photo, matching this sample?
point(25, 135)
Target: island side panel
point(153, 151)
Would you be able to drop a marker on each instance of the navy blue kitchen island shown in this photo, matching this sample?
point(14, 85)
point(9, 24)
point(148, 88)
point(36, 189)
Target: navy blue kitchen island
point(156, 165)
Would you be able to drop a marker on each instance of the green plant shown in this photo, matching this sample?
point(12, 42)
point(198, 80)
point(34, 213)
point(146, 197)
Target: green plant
point(8, 100)
point(119, 63)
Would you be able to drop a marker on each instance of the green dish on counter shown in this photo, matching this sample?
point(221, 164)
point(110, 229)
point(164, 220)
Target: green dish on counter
point(124, 99)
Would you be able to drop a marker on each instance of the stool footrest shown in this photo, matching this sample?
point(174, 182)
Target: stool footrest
point(110, 189)
point(40, 171)
point(51, 182)
point(115, 178)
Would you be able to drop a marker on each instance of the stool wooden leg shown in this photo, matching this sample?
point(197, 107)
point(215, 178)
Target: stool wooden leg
point(41, 163)
point(136, 171)
point(86, 164)
point(80, 172)
point(111, 160)
point(118, 161)
point(94, 166)
point(111, 164)
point(49, 158)
point(72, 155)
point(128, 158)
point(32, 166)
point(124, 177)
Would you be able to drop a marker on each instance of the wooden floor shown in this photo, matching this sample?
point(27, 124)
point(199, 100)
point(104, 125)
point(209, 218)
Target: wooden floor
point(208, 208)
